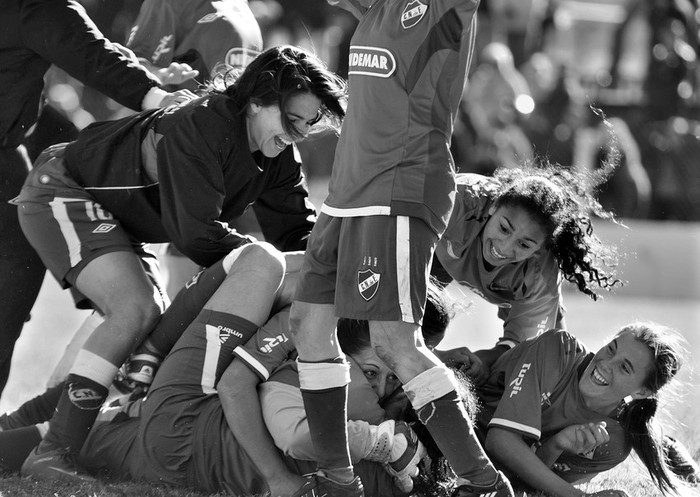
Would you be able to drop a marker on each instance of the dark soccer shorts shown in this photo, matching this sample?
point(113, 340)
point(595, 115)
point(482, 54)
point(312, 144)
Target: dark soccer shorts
point(67, 227)
point(373, 268)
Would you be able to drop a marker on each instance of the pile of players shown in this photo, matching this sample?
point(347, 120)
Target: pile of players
point(255, 356)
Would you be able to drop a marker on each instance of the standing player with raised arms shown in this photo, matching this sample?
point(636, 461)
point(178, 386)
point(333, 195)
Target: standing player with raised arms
point(390, 195)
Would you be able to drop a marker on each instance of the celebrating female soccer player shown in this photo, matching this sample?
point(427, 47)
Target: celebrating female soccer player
point(390, 195)
point(512, 237)
point(176, 174)
point(583, 412)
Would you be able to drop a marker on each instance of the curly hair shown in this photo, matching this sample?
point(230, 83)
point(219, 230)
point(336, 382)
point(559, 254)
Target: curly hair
point(562, 200)
point(277, 75)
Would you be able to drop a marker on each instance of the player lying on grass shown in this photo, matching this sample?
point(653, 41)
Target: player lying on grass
point(555, 414)
point(192, 428)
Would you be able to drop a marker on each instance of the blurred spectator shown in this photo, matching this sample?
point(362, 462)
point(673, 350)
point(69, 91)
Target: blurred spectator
point(488, 134)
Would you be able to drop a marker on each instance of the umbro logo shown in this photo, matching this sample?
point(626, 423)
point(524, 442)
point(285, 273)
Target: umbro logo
point(104, 228)
point(225, 333)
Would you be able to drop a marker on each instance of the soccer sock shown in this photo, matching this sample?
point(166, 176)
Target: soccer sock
point(228, 330)
point(37, 410)
point(15, 446)
point(184, 309)
point(86, 389)
point(324, 389)
point(440, 409)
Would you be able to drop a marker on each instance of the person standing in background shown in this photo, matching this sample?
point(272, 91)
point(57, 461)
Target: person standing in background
point(33, 35)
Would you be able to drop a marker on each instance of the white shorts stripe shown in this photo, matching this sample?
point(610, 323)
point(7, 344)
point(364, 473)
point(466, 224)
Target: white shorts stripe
point(60, 214)
point(403, 267)
point(252, 362)
point(211, 358)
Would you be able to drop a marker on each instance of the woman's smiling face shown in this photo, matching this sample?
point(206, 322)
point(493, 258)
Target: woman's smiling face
point(618, 370)
point(511, 235)
point(266, 132)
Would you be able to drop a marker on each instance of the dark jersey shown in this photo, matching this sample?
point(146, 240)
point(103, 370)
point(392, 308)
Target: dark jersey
point(37, 33)
point(407, 69)
point(181, 174)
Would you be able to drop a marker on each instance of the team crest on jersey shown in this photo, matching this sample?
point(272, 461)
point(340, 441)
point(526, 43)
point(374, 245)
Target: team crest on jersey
point(413, 13)
point(240, 57)
point(368, 283)
point(371, 61)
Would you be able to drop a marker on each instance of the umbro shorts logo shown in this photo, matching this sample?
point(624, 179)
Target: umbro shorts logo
point(104, 228)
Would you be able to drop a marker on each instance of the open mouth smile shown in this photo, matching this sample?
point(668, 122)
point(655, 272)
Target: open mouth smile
point(598, 378)
point(282, 143)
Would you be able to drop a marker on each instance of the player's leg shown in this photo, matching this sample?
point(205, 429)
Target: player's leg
point(117, 284)
point(84, 247)
point(323, 371)
point(390, 292)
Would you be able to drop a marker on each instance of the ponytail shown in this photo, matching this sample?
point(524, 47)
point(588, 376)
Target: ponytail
point(637, 419)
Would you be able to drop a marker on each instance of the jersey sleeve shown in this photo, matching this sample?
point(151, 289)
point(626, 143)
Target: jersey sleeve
point(271, 346)
point(63, 34)
point(284, 211)
point(537, 369)
point(154, 34)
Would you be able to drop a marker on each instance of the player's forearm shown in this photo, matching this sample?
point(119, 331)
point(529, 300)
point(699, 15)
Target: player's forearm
point(239, 400)
point(509, 449)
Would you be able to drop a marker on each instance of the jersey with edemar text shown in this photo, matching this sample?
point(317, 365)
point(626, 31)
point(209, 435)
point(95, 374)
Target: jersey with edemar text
point(527, 293)
point(407, 69)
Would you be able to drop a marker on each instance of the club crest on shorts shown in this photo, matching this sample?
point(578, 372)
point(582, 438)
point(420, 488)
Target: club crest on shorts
point(413, 13)
point(368, 283)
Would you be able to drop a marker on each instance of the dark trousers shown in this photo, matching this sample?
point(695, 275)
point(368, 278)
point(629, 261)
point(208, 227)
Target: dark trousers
point(21, 270)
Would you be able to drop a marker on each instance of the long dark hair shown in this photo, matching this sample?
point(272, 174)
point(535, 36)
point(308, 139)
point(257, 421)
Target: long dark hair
point(563, 203)
point(278, 74)
point(637, 416)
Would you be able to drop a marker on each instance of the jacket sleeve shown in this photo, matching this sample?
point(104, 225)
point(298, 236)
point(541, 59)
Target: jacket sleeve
point(192, 191)
point(61, 32)
point(284, 211)
point(153, 36)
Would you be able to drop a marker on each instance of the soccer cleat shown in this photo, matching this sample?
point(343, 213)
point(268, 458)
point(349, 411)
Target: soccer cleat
point(325, 487)
point(680, 461)
point(142, 368)
point(47, 461)
point(501, 488)
point(308, 489)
